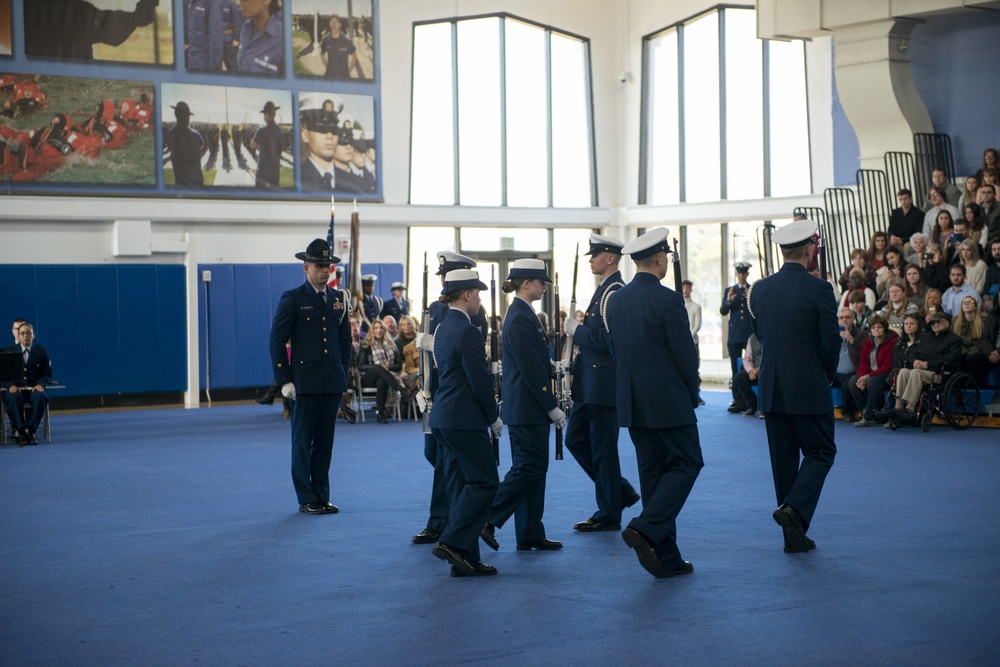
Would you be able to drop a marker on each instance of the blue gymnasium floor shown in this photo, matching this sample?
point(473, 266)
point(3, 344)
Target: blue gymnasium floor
point(169, 537)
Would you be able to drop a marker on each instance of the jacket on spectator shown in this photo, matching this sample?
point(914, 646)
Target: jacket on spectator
point(883, 355)
point(903, 352)
point(367, 360)
point(854, 349)
point(939, 349)
point(936, 275)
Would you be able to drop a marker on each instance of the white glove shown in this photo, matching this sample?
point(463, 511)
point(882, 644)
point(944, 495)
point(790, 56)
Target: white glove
point(421, 401)
point(497, 428)
point(425, 342)
point(288, 390)
point(558, 417)
point(571, 325)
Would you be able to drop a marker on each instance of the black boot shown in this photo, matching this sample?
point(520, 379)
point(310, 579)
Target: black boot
point(268, 397)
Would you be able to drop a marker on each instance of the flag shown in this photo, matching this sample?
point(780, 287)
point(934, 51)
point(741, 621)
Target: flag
point(354, 282)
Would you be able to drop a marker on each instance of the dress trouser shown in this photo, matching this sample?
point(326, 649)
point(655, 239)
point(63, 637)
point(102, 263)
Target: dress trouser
point(436, 455)
point(592, 439)
point(314, 417)
point(744, 389)
point(475, 481)
point(735, 351)
point(669, 462)
point(795, 484)
point(38, 400)
point(872, 397)
point(522, 492)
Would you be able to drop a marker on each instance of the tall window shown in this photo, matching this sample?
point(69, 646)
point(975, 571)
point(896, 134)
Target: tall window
point(724, 113)
point(486, 92)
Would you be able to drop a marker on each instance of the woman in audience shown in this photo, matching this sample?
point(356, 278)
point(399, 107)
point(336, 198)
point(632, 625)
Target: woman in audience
point(990, 176)
point(876, 249)
point(932, 304)
point(976, 223)
point(897, 307)
point(969, 194)
point(903, 355)
point(944, 227)
point(407, 333)
point(970, 324)
point(874, 365)
point(975, 268)
point(918, 246)
point(856, 283)
point(859, 260)
point(379, 363)
point(936, 271)
point(990, 161)
point(915, 288)
point(857, 301)
point(894, 269)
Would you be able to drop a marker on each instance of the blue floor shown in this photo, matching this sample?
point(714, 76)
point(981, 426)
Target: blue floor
point(169, 537)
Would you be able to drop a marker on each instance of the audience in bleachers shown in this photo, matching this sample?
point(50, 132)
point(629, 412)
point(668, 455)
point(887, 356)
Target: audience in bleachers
point(896, 308)
point(859, 260)
point(937, 197)
point(975, 268)
point(936, 271)
point(876, 250)
point(969, 323)
point(990, 161)
point(874, 366)
point(858, 303)
point(943, 228)
point(905, 221)
point(973, 215)
point(918, 249)
point(894, 269)
point(969, 193)
point(852, 336)
point(991, 285)
point(856, 283)
point(991, 209)
point(407, 333)
point(936, 349)
point(951, 298)
point(932, 304)
point(916, 290)
point(906, 343)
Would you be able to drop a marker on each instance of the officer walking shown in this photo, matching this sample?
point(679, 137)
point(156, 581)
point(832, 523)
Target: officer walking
point(465, 410)
point(795, 319)
point(268, 143)
point(657, 393)
point(592, 432)
point(314, 318)
point(734, 304)
point(434, 452)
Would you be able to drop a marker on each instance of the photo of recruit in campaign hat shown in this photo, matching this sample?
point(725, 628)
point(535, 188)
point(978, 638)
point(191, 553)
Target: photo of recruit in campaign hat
point(449, 261)
point(599, 244)
point(460, 280)
point(531, 269)
point(795, 234)
point(182, 109)
point(648, 244)
point(269, 107)
point(318, 252)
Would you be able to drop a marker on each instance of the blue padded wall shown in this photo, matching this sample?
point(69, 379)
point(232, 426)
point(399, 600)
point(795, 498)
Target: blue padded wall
point(241, 300)
point(109, 329)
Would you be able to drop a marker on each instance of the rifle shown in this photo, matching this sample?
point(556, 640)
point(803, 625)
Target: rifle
point(425, 362)
point(495, 356)
point(675, 257)
point(568, 346)
point(821, 251)
point(557, 335)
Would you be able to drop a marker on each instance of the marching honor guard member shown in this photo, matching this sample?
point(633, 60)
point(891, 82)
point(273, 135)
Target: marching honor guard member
point(529, 408)
point(592, 432)
point(447, 261)
point(657, 393)
point(795, 319)
point(314, 318)
point(734, 304)
point(465, 411)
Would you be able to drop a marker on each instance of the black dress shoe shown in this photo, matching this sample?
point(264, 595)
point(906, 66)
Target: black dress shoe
point(632, 500)
point(266, 399)
point(313, 508)
point(426, 536)
point(349, 414)
point(542, 545)
point(591, 526)
point(750, 412)
point(455, 557)
point(810, 545)
point(481, 568)
point(791, 525)
point(644, 550)
point(381, 418)
point(487, 533)
point(736, 407)
point(329, 507)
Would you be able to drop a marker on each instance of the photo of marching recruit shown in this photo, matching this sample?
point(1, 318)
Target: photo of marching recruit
point(226, 137)
point(338, 145)
point(60, 129)
point(129, 31)
point(334, 39)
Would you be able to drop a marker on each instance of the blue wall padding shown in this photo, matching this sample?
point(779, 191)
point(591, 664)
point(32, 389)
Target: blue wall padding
point(109, 329)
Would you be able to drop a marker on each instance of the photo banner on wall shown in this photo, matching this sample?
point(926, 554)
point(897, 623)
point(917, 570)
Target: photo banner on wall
point(6, 48)
point(334, 39)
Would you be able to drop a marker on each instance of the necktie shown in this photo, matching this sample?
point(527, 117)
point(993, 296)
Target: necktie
point(328, 179)
point(323, 296)
point(27, 351)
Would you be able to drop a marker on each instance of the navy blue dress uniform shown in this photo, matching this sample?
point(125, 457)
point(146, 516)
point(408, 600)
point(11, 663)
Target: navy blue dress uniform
point(657, 393)
point(592, 431)
point(315, 320)
point(464, 410)
point(436, 455)
point(529, 409)
point(36, 369)
point(371, 305)
point(739, 321)
point(795, 319)
point(397, 306)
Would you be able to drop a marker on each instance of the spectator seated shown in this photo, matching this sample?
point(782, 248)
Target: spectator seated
point(28, 389)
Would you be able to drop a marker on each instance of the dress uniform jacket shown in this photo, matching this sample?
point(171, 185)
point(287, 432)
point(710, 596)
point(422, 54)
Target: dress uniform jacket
point(321, 341)
point(651, 343)
point(593, 368)
point(795, 319)
point(392, 307)
point(38, 369)
point(464, 400)
point(739, 319)
point(527, 384)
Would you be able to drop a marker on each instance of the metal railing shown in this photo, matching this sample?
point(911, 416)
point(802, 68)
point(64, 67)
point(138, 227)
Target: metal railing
point(899, 172)
point(931, 151)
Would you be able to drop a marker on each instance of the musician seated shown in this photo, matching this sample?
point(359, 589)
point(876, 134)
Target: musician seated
point(36, 370)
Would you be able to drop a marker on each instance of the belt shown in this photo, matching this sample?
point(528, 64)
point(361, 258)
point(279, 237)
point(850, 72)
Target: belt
point(228, 31)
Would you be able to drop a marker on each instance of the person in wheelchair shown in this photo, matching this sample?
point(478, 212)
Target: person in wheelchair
point(874, 367)
point(937, 349)
point(969, 323)
point(36, 370)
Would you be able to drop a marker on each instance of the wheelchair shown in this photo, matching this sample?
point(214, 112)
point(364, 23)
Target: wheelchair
point(953, 395)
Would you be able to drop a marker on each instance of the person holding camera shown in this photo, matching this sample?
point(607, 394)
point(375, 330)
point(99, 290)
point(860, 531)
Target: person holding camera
point(734, 304)
point(935, 270)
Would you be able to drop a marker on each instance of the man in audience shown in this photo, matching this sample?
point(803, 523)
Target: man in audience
point(905, 221)
point(993, 339)
point(746, 379)
point(734, 304)
point(694, 320)
point(935, 349)
point(939, 203)
point(991, 211)
point(851, 338)
point(992, 285)
point(36, 369)
point(951, 299)
point(398, 305)
point(951, 193)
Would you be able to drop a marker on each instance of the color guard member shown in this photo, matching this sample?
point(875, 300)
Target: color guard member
point(734, 304)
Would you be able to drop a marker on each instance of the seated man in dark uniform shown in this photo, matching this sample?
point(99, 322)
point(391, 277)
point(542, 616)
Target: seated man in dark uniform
point(36, 369)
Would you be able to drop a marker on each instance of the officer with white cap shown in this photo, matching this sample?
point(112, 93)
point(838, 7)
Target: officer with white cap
point(371, 305)
point(794, 316)
point(592, 432)
point(529, 409)
point(734, 304)
point(657, 393)
point(398, 305)
point(465, 411)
